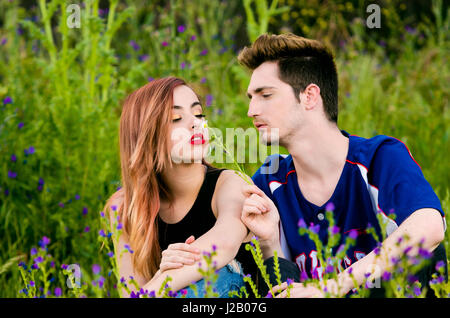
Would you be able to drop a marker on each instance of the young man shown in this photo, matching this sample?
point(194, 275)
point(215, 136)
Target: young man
point(293, 95)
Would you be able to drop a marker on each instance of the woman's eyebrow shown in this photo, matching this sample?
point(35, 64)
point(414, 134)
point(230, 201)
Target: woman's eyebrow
point(193, 104)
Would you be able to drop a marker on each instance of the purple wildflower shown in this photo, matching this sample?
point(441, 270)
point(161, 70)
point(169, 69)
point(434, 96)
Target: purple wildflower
point(31, 150)
point(32, 283)
point(407, 250)
point(134, 295)
point(353, 234)
point(269, 295)
point(38, 259)
point(165, 43)
point(214, 248)
point(209, 99)
point(203, 80)
point(152, 294)
point(417, 291)
point(13, 158)
point(64, 266)
point(334, 230)
point(181, 28)
point(289, 281)
point(315, 274)
point(101, 281)
point(96, 269)
point(3, 42)
point(110, 254)
point(193, 37)
point(35, 266)
point(314, 228)
point(410, 29)
point(301, 224)
point(33, 251)
point(386, 276)
point(20, 125)
point(7, 100)
point(102, 233)
point(440, 265)
point(330, 206)
point(86, 229)
point(143, 57)
point(12, 174)
point(61, 205)
point(58, 291)
point(77, 197)
point(128, 248)
point(303, 276)
point(85, 210)
point(119, 226)
point(150, 79)
point(329, 269)
point(395, 260)
point(102, 214)
point(44, 242)
point(412, 279)
point(134, 45)
point(425, 253)
point(204, 52)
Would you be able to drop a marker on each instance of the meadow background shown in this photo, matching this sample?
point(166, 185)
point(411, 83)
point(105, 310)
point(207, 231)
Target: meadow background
point(61, 90)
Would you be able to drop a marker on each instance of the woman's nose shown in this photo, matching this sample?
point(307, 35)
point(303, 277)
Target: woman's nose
point(196, 123)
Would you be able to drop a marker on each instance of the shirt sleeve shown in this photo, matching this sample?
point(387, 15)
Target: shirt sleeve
point(261, 179)
point(402, 187)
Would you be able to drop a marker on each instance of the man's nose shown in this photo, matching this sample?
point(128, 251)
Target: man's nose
point(253, 109)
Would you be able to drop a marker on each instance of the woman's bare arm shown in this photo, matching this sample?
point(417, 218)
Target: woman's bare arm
point(227, 234)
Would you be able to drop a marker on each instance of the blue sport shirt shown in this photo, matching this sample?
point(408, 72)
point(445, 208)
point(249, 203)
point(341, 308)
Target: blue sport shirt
point(380, 176)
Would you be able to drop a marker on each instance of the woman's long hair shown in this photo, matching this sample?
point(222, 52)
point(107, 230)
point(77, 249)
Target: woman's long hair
point(144, 154)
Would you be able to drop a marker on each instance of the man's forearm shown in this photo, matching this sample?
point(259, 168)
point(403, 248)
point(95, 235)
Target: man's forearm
point(418, 229)
point(269, 247)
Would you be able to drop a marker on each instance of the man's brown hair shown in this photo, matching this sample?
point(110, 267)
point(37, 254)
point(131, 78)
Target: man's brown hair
point(301, 61)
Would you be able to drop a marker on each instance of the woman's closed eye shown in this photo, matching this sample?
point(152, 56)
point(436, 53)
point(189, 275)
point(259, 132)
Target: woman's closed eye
point(178, 118)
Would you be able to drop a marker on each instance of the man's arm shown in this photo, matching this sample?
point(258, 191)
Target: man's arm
point(424, 225)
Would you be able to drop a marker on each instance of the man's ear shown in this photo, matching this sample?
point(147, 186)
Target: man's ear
point(310, 97)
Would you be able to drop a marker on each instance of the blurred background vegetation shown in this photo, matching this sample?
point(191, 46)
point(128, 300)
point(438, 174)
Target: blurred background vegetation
point(61, 90)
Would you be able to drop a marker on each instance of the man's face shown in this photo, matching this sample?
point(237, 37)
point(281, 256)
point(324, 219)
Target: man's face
point(273, 106)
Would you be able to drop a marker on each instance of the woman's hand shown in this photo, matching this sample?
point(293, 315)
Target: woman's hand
point(179, 254)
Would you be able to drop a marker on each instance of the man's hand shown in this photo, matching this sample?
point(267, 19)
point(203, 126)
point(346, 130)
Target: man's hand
point(298, 290)
point(179, 254)
point(261, 217)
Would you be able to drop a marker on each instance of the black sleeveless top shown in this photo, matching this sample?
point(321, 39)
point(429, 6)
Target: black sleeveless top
point(199, 220)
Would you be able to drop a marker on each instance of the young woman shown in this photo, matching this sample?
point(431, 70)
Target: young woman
point(171, 200)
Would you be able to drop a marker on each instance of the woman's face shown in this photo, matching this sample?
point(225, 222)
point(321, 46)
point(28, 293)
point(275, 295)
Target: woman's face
point(189, 135)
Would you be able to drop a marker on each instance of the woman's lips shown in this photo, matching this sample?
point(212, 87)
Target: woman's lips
point(197, 139)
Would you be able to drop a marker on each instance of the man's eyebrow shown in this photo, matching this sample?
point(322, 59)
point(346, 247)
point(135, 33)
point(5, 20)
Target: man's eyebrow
point(193, 104)
point(259, 90)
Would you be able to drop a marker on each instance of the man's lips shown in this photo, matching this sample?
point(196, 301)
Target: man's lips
point(260, 125)
point(197, 139)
